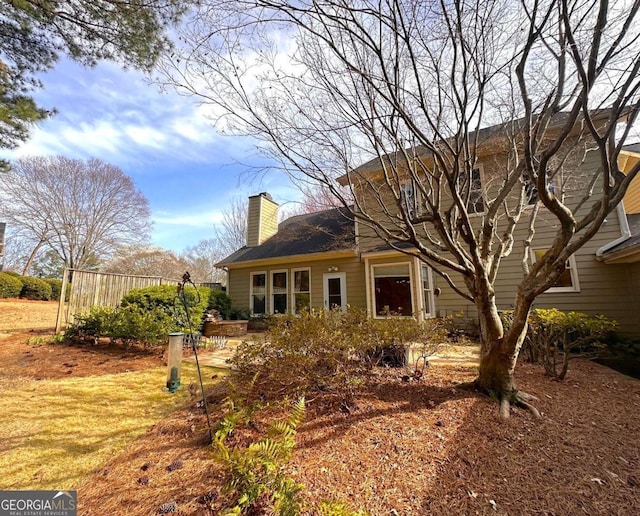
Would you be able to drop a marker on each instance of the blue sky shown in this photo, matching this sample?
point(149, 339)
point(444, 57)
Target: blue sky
point(187, 171)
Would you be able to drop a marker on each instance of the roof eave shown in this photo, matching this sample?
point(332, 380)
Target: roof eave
point(343, 253)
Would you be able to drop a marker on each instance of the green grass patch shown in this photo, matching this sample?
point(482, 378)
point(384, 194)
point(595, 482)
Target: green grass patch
point(53, 433)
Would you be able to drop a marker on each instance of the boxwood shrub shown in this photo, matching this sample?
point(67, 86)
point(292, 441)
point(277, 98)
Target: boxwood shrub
point(10, 285)
point(35, 288)
point(56, 287)
point(145, 316)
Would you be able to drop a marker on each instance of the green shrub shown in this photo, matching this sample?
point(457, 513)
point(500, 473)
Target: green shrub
point(220, 301)
point(56, 287)
point(10, 285)
point(35, 288)
point(554, 337)
point(145, 316)
point(239, 314)
point(127, 324)
point(99, 322)
point(167, 299)
point(13, 273)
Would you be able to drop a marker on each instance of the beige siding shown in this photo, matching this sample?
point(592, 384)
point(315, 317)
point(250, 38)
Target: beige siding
point(253, 222)
point(611, 290)
point(239, 287)
point(262, 220)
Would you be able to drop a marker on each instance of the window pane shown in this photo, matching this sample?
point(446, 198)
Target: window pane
point(393, 294)
point(408, 198)
point(280, 303)
point(565, 279)
point(426, 289)
point(279, 280)
point(476, 200)
point(259, 280)
point(302, 302)
point(259, 305)
point(334, 293)
point(301, 281)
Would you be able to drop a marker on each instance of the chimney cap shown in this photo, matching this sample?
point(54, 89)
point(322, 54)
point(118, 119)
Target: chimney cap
point(266, 195)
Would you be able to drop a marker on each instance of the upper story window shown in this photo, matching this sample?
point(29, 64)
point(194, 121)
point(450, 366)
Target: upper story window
point(408, 198)
point(530, 190)
point(568, 280)
point(475, 203)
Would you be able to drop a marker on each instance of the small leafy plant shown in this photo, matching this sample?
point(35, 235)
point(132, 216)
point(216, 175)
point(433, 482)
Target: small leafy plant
point(554, 337)
point(256, 472)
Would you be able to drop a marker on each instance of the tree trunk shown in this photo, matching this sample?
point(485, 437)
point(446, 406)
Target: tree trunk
point(499, 353)
point(32, 256)
point(497, 357)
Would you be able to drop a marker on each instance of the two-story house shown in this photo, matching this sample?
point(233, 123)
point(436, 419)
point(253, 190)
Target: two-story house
point(328, 259)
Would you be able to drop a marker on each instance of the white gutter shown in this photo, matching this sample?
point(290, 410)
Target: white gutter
point(624, 229)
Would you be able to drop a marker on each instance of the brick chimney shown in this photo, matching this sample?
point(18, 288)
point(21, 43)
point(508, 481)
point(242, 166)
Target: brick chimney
point(262, 219)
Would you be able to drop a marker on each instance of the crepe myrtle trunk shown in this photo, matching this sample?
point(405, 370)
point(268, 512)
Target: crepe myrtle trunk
point(499, 350)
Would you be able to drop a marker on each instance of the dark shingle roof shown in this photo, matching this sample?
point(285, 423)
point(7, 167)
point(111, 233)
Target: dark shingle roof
point(482, 135)
point(323, 231)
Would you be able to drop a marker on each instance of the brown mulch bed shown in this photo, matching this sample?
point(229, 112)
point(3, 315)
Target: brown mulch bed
point(417, 448)
point(400, 448)
point(26, 350)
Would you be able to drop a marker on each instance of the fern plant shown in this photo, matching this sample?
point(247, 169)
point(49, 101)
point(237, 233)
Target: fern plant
point(258, 469)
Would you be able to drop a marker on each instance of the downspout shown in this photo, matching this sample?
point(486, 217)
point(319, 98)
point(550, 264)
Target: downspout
point(624, 230)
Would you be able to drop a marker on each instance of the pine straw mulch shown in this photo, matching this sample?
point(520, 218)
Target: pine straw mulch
point(415, 448)
point(28, 350)
point(33, 355)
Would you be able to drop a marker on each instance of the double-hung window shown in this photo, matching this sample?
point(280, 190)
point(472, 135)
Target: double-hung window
point(301, 295)
point(530, 190)
point(279, 292)
point(408, 198)
point(476, 197)
point(258, 293)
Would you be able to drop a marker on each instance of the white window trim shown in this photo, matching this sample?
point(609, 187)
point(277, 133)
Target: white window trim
point(271, 293)
point(293, 288)
point(409, 184)
point(432, 299)
point(266, 296)
point(572, 269)
point(373, 290)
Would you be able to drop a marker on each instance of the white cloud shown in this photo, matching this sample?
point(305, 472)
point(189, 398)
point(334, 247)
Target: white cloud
point(194, 219)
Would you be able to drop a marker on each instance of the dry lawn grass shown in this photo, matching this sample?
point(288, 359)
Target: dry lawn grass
point(67, 409)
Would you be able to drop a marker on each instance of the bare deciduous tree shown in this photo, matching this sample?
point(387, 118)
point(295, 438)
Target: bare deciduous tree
point(148, 261)
point(82, 210)
point(414, 87)
point(202, 258)
point(232, 233)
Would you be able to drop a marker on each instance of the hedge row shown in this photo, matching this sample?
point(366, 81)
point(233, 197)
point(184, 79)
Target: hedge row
point(146, 316)
point(12, 285)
